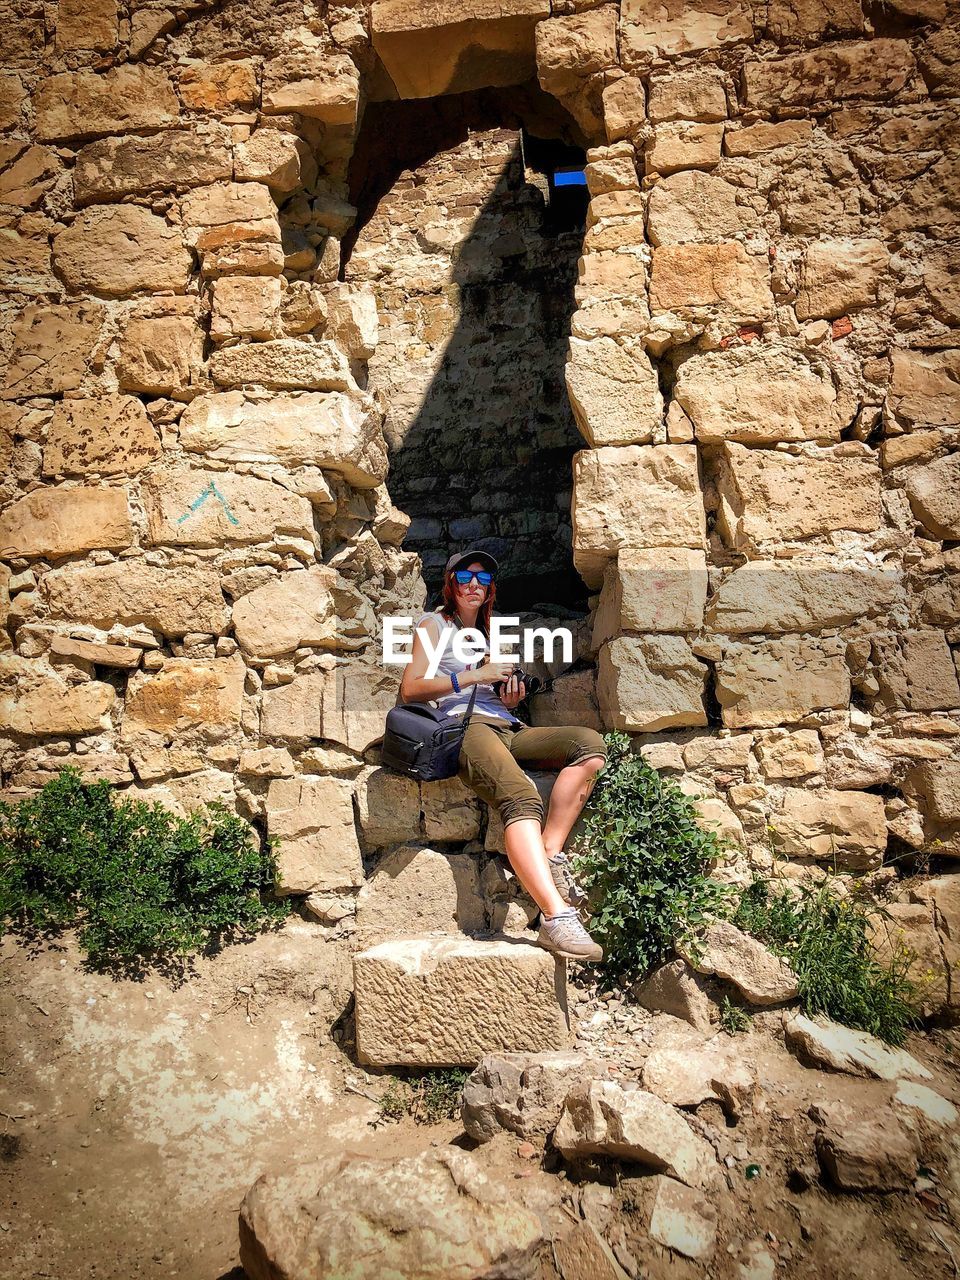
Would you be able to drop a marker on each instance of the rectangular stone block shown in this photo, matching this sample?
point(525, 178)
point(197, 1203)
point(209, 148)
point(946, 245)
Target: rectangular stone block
point(846, 826)
point(82, 104)
point(51, 347)
point(60, 521)
point(171, 602)
point(445, 1002)
point(318, 847)
point(651, 591)
point(781, 681)
point(876, 69)
point(175, 159)
point(649, 683)
point(208, 508)
point(784, 595)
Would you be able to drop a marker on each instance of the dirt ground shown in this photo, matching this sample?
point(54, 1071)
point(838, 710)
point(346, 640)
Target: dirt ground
point(134, 1116)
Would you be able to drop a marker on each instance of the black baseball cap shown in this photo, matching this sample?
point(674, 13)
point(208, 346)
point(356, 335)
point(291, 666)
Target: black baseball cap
point(464, 557)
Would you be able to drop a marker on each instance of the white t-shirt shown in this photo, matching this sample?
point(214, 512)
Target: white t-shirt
point(486, 702)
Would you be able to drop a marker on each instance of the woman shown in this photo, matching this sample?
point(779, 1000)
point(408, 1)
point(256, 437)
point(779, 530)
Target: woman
point(495, 746)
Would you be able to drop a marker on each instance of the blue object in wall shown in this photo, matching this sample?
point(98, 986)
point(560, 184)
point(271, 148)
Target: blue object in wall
point(569, 178)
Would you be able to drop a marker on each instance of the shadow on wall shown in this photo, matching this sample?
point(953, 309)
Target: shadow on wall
point(474, 266)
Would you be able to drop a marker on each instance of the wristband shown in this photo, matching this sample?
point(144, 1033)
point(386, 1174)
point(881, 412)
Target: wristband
point(455, 682)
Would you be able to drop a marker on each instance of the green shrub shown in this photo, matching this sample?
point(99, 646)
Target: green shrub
point(645, 861)
point(429, 1097)
point(825, 937)
point(733, 1017)
point(142, 884)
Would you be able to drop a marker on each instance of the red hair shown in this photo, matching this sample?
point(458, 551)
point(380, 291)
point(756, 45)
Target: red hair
point(449, 606)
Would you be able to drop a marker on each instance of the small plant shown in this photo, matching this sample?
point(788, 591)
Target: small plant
point(645, 860)
point(733, 1019)
point(825, 938)
point(429, 1098)
point(143, 885)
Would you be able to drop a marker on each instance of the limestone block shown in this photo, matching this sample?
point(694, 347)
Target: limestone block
point(603, 1119)
point(801, 595)
point(687, 1074)
point(131, 593)
point(937, 785)
point(281, 160)
point(60, 521)
point(649, 683)
point(12, 97)
point(871, 69)
point(447, 1002)
point(303, 308)
point(718, 754)
point(805, 21)
point(757, 394)
point(838, 276)
point(697, 94)
point(624, 108)
point(122, 657)
point(174, 159)
point(572, 48)
point(649, 28)
point(294, 711)
point(683, 145)
point(907, 927)
point(833, 1047)
point(651, 591)
point(419, 890)
point(716, 816)
point(241, 248)
point(768, 495)
point(613, 391)
point(116, 250)
point(898, 450)
point(733, 956)
point(695, 206)
point(323, 86)
point(472, 44)
point(571, 700)
point(609, 274)
point(682, 1219)
point(923, 387)
point(688, 276)
point(867, 1151)
point(635, 496)
point(845, 827)
point(352, 320)
point(82, 104)
point(451, 811)
point(192, 699)
point(245, 307)
point(611, 168)
point(676, 989)
point(219, 86)
point(318, 847)
point(25, 265)
point(108, 434)
point(27, 173)
point(583, 1252)
point(338, 432)
point(285, 363)
point(315, 607)
point(189, 508)
point(161, 354)
point(388, 807)
point(780, 681)
point(358, 691)
point(522, 1093)
point(915, 670)
point(87, 24)
point(934, 494)
point(5, 575)
point(757, 138)
point(790, 755)
point(51, 348)
point(266, 762)
point(37, 703)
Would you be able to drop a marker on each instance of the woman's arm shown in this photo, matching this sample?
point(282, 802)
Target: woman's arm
point(415, 687)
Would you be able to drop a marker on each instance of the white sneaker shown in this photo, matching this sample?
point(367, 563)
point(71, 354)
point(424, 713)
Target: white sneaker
point(569, 890)
point(565, 936)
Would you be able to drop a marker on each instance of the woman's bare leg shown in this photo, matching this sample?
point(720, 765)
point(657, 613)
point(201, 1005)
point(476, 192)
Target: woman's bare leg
point(569, 795)
point(523, 841)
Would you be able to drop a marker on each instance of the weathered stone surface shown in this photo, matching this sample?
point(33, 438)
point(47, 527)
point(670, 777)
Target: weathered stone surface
point(435, 1216)
point(839, 276)
point(418, 890)
point(600, 1118)
point(931, 1104)
point(790, 755)
point(388, 807)
point(225, 203)
point(635, 496)
point(683, 145)
point(733, 956)
point(25, 265)
point(571, 700)
point(934, 493)
point(26, 174)
point(692, 276)
point(55, 522)
point(207, 508)
point(323, 86)
point(924, 387)
point(583, 1253)
point(81, 104)
point(191, 699)
point(358, 692)
point(780, 681)
point(161, 354)
point(450, 1001)
point(245, 307)
point(123, 657)
point(848, 827)
point(572, 48)
point(898, 450)
point(450, 809)
point(685, 1075)
point(311, 607)
point(613, 391)
point(115, 250)
point(522, 1092)
point(937, 784)
point(108, 434)
point(663, 589)
point(872, 69)
point(37, 703)
point(87, 24)
point(649, 683)
point(909, 930)
point(649, 28)
point(757, 138)
point(676, 989)
point(352, 320)
point(219, 86)
point(172, 602)
point(832, 1047)
point(483, 42)
point(318, 847)
point(770, 495)
point(789, 21)
point(281, 160)
point(336, 431)
point(624, 109)
point(295, 711)
point(867, 1152)
point(51, 347)
point(12, 97)
point(697, 94)
point(915, 670)
point(283, 363)
point(250, 248)
point(807, 595)
point(177, 159)
point(682, 1219)
point(758, 395)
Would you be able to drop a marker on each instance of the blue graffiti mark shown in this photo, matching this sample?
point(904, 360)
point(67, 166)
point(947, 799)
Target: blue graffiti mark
point(210, 491)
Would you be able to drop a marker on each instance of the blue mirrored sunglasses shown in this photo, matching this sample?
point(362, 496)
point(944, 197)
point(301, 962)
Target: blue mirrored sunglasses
point(463, 576)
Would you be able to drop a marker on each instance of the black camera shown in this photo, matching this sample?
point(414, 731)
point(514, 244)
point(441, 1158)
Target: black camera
point(531, 684)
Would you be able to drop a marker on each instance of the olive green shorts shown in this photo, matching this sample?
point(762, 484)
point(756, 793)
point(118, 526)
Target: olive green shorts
point(493, 754)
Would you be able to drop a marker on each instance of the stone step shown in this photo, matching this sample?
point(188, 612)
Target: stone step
point(433, 1001)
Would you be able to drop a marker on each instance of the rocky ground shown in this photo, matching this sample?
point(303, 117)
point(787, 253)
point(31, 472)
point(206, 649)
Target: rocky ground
point(136, 1115)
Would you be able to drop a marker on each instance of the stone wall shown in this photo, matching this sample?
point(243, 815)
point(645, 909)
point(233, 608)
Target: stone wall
point(198, 535)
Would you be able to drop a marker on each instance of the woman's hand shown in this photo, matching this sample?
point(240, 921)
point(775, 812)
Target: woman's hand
point(512, 692)
point(491, 672)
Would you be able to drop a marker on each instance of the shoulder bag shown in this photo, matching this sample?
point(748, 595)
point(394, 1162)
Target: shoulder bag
point(423, 742)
